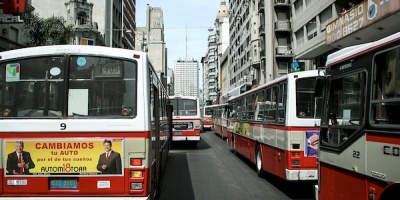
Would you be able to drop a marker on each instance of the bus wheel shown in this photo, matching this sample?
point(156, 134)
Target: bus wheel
point(259, 166)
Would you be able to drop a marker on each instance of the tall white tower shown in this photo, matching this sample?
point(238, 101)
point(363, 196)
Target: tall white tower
point(186, 77)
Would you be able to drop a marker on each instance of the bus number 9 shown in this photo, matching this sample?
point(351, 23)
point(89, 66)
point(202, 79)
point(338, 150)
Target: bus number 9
point(63, 126)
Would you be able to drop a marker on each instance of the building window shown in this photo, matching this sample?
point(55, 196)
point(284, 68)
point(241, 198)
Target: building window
point(82, 18)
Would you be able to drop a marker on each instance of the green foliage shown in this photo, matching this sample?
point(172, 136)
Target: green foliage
point(50, 31)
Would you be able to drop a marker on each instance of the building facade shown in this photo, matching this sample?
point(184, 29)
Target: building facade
point(244, 58)
point(186, 77)
point(170, 81)
point(114, 19)
point(151, 39)
point(155, 40)
point(11, 24)
point(210, 71)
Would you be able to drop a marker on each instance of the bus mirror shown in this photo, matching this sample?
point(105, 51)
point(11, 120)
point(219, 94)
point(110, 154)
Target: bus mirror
point(321, 72)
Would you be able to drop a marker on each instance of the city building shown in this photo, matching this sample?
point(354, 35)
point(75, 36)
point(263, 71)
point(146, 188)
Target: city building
point(151, 39)
point(85, 31)
point(170, 81)
point(218, 43)
point(11, 24)
point(244, 58)
point(186, 77)
point(210, 74)
point(114, 19)
point(322, 27)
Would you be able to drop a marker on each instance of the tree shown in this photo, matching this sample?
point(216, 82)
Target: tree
point(50, 31)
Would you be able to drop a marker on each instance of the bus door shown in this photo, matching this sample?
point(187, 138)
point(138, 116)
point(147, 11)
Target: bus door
point(155, 137)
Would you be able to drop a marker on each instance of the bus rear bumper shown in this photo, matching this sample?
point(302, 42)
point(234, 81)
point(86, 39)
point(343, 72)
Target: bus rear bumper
point(185, 138)
point(301, 175)
point(77, 198)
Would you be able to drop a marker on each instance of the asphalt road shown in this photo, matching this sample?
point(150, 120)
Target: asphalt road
point(211, 171)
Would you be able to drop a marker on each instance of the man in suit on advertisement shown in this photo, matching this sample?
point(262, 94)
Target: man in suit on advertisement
point(20, 161)
point(110, 161)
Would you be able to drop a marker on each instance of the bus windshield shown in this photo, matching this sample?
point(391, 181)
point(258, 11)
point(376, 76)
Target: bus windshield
point(98, 86)
point(184, 107)
point(346, 103)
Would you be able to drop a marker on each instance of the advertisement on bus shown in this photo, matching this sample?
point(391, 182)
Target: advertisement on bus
point(47, 157)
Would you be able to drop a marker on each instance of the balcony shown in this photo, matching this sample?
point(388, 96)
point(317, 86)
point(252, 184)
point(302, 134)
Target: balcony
point(283, 51)
point(282, 26)
point(261, 6)
point(262, 54)
point(261, 29)
point(211, 74)
point(211, 80)
point(281, 3)
point(212, 94)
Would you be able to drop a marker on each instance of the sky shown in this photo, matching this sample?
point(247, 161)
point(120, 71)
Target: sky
point(196, 15)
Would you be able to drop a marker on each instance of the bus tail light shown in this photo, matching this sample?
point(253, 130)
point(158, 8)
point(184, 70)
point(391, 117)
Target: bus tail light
point(136, 174)
point(296, 154)
point(136, 186)
point(136, 162)
point(371, 193)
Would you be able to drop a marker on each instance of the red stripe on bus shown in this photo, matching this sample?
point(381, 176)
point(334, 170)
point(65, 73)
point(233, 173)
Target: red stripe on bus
point(384, 139)
point(67, 135)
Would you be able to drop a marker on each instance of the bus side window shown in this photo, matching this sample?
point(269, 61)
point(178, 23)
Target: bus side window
point(386, 102)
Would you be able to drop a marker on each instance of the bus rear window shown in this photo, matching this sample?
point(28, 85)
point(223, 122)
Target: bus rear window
point(184, 107)
point(101, 86)
point(385, 101)
point(32, 87)
point(305, 99)
point(98, 86)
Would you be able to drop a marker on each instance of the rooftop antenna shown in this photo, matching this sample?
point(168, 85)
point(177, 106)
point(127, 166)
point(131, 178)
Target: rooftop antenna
point(186, 39)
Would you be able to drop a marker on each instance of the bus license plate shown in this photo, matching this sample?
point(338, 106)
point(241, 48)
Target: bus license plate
point(64, 183)
point(177, 132)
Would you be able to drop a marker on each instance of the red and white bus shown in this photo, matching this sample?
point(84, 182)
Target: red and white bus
point(275, 126)
point(206, 118)
point(218, 118)
point(186, 119)
point(83, 122)
point(359, 155)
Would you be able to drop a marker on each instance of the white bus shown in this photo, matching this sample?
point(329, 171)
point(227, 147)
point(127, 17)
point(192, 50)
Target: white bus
point(275, 126)
point(359, 155)
point(81, 122)
point(206, 118)
point(186, 119)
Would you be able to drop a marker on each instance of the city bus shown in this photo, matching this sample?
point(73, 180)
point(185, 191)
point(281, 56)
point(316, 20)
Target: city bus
point(186, 119)
point(360, 138)
point(219, 119)
point(83, 122)
point(206, 118)
point(275, 126)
